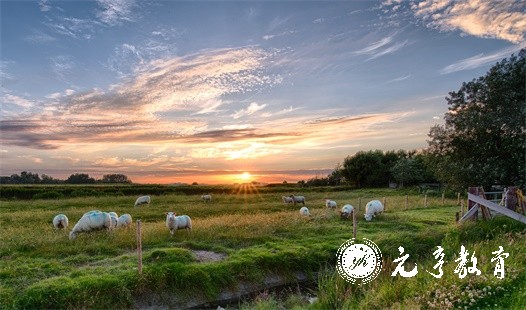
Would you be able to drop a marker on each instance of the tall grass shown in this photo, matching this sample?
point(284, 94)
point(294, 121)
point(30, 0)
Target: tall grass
point(42, 268)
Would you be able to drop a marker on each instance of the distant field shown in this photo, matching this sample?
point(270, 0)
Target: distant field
point(258, 235)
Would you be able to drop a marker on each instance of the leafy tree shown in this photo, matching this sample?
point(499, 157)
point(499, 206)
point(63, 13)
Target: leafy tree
point(483, 139)
point(115, 178)
point(80, 178)
point(407, 171)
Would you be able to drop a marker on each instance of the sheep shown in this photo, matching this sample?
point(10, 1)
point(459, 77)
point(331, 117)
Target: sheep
point(346, 211)
point(60, 221)
point(373, 208)
point(304, 211)
point(174, 222)
point(330, 204)
point(287, 200)
point(124, 221)
point(298, 199)
point(114, 219)
point(142, 200)
point(206, 198)
point(93, 220)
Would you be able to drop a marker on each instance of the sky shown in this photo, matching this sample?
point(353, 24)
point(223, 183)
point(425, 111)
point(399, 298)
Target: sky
point(195, 91)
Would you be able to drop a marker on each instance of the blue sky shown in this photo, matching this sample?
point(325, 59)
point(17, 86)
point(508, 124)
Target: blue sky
point(169, 91)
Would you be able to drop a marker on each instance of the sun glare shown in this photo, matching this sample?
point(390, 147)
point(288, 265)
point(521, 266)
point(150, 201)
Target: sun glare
point(245, 176)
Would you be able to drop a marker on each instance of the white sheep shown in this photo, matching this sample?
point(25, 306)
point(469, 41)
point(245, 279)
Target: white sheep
point(298, 199)
point(93, 220)
point(206, 198)
point(346, 211)
point(60, 221)
point(174, 222)
point(114, 218)
point(304, 211)
point(142, 200)
point(330, 204)
point(287, 200)
point(372, 209)
point(124, 221)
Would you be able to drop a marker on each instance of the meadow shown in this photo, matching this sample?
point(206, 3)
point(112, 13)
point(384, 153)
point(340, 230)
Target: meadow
point(248, 237)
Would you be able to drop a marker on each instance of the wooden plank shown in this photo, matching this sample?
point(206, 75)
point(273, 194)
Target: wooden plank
point(469, 214)
point(495, 207)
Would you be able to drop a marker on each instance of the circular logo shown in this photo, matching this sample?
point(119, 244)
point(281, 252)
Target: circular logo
point(359, 262)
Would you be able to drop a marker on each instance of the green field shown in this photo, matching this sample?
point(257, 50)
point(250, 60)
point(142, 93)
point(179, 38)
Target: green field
point(258, 237)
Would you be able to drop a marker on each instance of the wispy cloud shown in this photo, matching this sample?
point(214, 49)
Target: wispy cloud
point(18, 101)
point(114, 12)
point(194, 84)
point(382, 47)
point(44, 5)
point(62, 66)
point(481, 60)
point(281, 34)
point(251, 109)
point(398, 79)
point(504, 19)
point(40, 37)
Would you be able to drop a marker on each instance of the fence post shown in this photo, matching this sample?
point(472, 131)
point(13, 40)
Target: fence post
point(443, 198)
point(458, 198)
point(354, 224)
point(139, 246)
point(406, 201)
point(462, 208)
point(385, 204)
point(425, 201)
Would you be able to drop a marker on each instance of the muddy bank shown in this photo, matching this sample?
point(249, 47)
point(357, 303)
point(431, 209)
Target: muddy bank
point(243, 291)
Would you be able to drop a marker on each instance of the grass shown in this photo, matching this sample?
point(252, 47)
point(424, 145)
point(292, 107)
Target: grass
point(42, 268)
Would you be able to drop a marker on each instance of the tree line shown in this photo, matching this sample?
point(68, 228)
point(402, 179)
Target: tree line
point(482, 141)
point(77, 178)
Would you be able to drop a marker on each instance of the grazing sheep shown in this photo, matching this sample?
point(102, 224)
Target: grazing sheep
point(346, 211)
point(298, 199)
point(174, 222)
point(142, 200)
point(206, 198)
point(114, 219)
point(60, 221)
point(93, 220)
point(304, 211)
point(287, 200)
point(124, 221)
point(330, 204)
point(372, 209)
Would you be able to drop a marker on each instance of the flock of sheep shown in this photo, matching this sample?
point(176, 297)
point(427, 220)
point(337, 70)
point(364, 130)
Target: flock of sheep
point(98, 220)
point(372, 209)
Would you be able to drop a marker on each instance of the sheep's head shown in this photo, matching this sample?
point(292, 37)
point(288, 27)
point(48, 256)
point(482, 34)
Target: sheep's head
point(368, 217)
point(72, 235)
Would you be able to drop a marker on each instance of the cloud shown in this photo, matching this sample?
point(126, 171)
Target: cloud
point(136, 108)
point(399, 79)
point(62, 66)
point(481, 60)
point(114, 12)
point(382, 47)
point(18, 101)
point(251, 109)
point(281, 34)
point(44, 5)
point(504, 19)
point(40, 37)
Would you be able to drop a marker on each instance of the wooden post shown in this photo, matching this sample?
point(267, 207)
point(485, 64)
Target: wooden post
point(458, 198)
point(406, 201)
point(139, 246)
point(354, 224)
point(385, 204)
point(462, 208)
point(457, 216)
point(425, 201)
point(443, 198)
point(511, 198)
point(474, 191)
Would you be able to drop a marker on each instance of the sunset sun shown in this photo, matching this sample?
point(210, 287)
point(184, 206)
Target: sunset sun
point(245, 176)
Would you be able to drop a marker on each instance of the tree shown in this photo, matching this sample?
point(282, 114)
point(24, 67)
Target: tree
point(115, 178)
point(407, 171)
point(483, 139)
point(80, 178)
